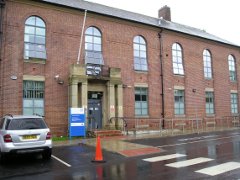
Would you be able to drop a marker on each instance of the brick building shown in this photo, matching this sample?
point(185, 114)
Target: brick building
point(130, 65)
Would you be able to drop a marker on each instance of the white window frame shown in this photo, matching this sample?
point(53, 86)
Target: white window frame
point(33, 97)
point(179, 101)
point(234, 103)
point(207, 62)
point(35, 38)
point(210, 106)
point(232, 68)
point(140, 54)
point(141, 106)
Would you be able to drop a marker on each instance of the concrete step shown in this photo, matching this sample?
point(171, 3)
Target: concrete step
point(104, 133)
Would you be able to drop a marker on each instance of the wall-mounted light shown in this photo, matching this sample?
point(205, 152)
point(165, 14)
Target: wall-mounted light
point(58, 79)
point(126, 86)
point(13, 77)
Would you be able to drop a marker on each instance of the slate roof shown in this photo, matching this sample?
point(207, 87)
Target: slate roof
point(135, 17)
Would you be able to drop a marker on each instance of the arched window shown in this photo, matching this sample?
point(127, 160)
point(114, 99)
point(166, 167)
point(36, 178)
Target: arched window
point(177, 59)
point(140, 54)
point(93, 46)
point(207, 62)
point(232, 68)
point(35, 38)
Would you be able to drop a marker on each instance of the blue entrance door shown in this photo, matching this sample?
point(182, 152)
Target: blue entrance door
point(95, 113)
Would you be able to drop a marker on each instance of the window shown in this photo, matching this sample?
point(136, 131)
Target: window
point(35, 38)
point(207, 61)
point(177, 59)
point(26, 124)
point(231, 65)
point(209, 102)
point(93, 46)
point(140, 54)
point(179, 102)
point(33, 97)
point(234, 103)
point(141, 101)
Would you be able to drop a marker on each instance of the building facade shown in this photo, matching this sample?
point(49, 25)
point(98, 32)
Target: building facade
point(129, 65)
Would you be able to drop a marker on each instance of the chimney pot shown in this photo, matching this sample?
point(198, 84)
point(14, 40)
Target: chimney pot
point(165, 13)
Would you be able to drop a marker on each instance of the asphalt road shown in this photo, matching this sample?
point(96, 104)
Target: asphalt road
point(197, 156)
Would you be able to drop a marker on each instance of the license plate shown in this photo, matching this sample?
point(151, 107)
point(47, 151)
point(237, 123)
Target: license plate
point(30, 137)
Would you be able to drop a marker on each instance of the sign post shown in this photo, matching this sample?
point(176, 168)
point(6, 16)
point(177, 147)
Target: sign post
point(77, 122)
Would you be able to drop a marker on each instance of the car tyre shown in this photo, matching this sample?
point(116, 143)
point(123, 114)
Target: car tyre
point(47, 154)
point(2, 157)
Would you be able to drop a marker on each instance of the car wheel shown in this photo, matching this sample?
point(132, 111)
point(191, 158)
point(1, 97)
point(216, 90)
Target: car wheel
point(47, 154)
point(2, 157)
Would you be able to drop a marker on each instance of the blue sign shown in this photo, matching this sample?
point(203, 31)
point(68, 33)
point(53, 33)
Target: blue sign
point(77, 122)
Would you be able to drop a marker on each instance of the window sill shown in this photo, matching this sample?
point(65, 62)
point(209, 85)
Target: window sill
point(180, 116)
point(179, 75)
point(141, 117)
point(140, 71)
point(210, 115)
point(208, 79)
point(35, 61)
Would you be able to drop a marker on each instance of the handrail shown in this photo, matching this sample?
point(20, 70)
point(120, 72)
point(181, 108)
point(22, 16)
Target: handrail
point(115, 118)
point(93, 119)
point(140, 121)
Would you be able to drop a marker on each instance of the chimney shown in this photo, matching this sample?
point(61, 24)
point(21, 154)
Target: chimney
point(165, 13)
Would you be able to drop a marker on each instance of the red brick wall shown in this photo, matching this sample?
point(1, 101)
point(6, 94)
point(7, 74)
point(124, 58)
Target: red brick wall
point(194, 74)
point(63, 27)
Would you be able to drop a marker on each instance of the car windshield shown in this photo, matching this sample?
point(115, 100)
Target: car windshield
point(23, 124)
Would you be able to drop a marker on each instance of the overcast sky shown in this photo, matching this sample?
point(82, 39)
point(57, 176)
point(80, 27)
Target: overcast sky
point(218, 17)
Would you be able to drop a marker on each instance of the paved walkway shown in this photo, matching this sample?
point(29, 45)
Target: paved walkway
point(118, 145)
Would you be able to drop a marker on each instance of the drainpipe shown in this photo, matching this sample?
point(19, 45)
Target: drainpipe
point(2, 4)
point(161, 75)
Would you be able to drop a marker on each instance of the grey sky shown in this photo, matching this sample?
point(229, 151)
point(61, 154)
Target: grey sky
point(218, 17)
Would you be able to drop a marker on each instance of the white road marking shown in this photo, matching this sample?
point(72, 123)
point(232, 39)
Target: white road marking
point(170, 145)
point(68, 165)
point(198, 138)
point(189, 162)
point(162, 158)
point(219, 169)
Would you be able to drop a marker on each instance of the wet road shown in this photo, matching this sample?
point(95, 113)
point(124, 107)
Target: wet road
point(197, 156)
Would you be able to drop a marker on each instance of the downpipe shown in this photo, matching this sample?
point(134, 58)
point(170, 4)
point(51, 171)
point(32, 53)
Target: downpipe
point(162, 78)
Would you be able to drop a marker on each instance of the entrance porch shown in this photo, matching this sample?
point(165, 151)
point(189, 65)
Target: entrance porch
point(99, 93)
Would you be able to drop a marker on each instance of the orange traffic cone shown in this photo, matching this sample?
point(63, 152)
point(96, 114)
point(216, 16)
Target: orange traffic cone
point(98, 155)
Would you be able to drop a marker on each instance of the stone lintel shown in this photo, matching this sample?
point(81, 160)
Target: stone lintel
point(77, 70)
point(115, 73)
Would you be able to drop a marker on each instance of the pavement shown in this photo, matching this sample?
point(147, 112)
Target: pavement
point(117, 144)
point(120, 144)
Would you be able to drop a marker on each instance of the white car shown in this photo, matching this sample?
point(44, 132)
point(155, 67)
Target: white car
point(20, 134)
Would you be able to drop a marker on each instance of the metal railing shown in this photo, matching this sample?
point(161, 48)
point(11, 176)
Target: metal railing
point(92, 123)
point(180, 125)
point(118, 123)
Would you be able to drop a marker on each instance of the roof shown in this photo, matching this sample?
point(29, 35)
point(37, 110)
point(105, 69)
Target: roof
point(23, 116)
point(139, 18)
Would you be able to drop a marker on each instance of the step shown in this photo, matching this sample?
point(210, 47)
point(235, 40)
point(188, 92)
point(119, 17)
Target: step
point(104, 133)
